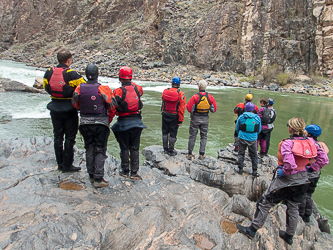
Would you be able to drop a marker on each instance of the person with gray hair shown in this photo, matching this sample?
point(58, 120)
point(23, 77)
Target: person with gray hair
point(199, 106)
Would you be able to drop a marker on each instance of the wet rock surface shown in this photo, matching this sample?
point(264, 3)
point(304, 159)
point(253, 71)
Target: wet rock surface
point(178, 204)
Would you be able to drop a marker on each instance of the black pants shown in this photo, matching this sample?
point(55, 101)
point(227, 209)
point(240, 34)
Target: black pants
point(170, 124)
point(95, 142)
point(129, 143)
point(64, 123)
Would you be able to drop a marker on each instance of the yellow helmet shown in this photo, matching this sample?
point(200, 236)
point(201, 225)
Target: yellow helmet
point(249, 97)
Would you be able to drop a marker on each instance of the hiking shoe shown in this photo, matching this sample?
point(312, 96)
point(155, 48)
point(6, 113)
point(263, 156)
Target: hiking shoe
point(246, 231)
point(255, 174)
point(67, 169)
point(286, 237)
point(189, 157)
point(172, 153)
point(124, 173)
point(101, 183)
point(306, 218)
point(240, 171)
point(60, 167)
point(201, 157)
point(135, 176)
point(91, 179)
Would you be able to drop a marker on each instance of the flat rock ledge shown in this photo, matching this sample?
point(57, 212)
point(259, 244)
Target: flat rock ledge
point(179, 203)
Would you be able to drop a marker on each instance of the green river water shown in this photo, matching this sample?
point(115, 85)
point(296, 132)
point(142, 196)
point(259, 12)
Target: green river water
point(30, 118)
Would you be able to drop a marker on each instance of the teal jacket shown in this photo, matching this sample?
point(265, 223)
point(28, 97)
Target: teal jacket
point(247, 135)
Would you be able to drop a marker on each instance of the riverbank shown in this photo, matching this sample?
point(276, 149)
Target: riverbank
point(158, 71)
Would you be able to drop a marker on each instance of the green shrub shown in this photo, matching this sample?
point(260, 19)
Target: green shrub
point(284, 78)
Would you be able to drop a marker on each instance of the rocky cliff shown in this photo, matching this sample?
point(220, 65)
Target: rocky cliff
point(243, 36)
point(179, 204)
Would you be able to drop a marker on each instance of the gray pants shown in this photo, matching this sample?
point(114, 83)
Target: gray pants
point(252, 145)
point(198, 122)
point(290, 189)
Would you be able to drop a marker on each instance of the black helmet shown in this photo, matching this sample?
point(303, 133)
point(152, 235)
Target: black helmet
point(92, 72)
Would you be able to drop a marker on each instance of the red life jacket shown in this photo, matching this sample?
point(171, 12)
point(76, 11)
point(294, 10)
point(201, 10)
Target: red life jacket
point(131, 102)
point(304, 152)
point(170, 101)
point(57, 82)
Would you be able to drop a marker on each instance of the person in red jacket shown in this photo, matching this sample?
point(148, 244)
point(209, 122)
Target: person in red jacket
point(240, 109)
point(129, 125)
point(60, 82)
point(173, 108)
point(199, 106)
point(95, 102)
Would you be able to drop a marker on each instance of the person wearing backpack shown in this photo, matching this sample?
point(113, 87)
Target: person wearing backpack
point(240, 109)
point(95, 102)
point(173, 108)
point(265, 115)
point(305, 208)
point(199, 106)
point(270, 124)
point(248, 126)
point(60, 82)
point(290, 180)
point(129, 125)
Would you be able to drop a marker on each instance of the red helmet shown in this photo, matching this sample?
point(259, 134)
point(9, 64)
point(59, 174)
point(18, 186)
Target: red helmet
point(125, 72)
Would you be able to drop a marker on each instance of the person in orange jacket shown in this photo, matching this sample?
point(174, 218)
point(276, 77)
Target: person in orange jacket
point(240, 109)
point(129, 125)
point(95, 102)
point(173, 108)
point(199, 106)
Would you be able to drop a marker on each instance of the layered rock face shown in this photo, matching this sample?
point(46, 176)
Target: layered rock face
point(240, 36)
point(170, 208)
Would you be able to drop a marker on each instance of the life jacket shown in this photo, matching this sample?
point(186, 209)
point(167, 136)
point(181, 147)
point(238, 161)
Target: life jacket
point(249, 126)
point(131, 102)
point(91, 103)
point(303, 150)
point(323, 146)
point(57, 83)
point(266, 116)
point(170, 102)
point(203, 105)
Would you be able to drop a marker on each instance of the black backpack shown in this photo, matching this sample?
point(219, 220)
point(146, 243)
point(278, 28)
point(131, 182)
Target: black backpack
point(266, 117)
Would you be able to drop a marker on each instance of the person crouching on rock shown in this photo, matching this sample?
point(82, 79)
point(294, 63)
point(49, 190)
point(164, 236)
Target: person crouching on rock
point(129, 125)
point(305, 208)
point(199, 106)
point(173, 108)
point(248, 126)
point(291, 180)
point(95, 102)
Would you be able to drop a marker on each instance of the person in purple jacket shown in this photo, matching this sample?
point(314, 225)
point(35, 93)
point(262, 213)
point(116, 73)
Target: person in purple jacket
point(291, 181)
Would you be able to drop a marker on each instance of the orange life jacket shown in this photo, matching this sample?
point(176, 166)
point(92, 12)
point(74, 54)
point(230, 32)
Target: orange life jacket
point(323, 146)
point(304, 152)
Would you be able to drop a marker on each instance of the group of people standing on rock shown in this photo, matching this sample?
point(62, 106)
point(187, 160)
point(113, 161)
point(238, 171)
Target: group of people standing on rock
point(173, 109)
point(253, 129)
point(98, 105)
point(300, 157)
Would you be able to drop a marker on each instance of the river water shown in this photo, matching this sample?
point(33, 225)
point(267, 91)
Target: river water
point(30, 118)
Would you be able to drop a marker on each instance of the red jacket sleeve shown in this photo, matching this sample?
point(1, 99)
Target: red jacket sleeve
point(181, 108)
point(212, 101)
point(193, 100)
